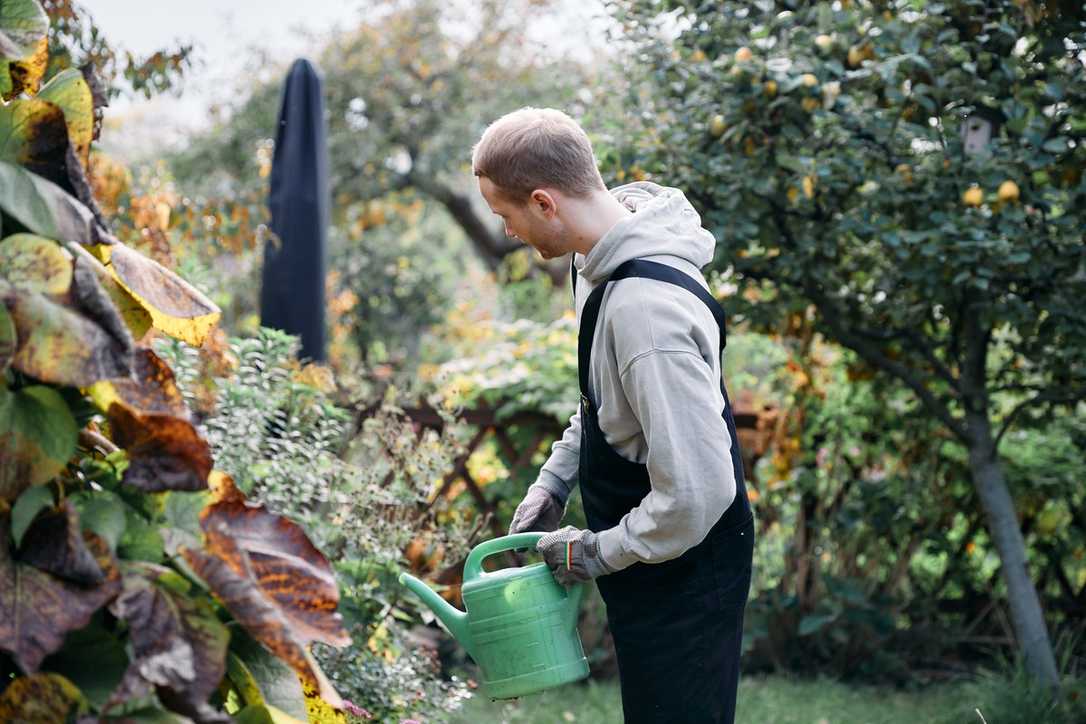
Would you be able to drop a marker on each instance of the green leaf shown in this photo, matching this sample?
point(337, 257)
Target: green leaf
point(278, 683)
point(37, 437)
point(1055, 145)
point(141, 540)
point(26, 509)
point(102, 513)
point(91, 644)
point(43, 208)
point(816, 622)
point(22, 24)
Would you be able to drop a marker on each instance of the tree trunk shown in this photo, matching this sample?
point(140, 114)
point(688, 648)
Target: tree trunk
point(995, 499)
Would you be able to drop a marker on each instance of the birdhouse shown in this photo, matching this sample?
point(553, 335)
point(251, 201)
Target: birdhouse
point(980, 126)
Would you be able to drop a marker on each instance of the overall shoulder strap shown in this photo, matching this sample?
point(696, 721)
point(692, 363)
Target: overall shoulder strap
point(648, 270)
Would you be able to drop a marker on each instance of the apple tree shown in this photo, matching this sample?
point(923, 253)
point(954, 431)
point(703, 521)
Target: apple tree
point(908, 176)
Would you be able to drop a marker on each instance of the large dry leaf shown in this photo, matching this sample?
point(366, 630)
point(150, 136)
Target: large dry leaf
point(54, 543)
point(286, 565)
point(35, 263)
point(228, 570)
point(151, 389)
point(164, 452)
point(37, 610)
point(178, 646)
point(58, 344)
point(41, 699)
point(176, 307)
point(37, 437)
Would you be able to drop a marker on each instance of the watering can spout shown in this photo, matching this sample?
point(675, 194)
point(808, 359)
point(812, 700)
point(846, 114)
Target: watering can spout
point(454, 620)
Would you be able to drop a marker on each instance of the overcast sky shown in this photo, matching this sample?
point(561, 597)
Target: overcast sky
point(227, 36)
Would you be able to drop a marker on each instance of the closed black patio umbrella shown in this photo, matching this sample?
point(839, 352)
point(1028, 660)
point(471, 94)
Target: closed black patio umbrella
point(292, 288)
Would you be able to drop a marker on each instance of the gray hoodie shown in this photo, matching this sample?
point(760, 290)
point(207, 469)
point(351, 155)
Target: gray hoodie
point(655, 375)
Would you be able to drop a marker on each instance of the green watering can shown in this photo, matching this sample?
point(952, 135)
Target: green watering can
point(520, 626)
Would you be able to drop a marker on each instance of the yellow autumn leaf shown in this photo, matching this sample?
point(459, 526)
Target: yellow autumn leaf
point(176, 307)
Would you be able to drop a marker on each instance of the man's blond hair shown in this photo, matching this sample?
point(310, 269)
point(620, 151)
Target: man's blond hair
point(534, 148)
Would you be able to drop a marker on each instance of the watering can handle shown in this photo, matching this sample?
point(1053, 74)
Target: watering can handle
point(473, 567)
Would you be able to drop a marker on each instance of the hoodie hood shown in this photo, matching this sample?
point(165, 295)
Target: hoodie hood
point(663, 224)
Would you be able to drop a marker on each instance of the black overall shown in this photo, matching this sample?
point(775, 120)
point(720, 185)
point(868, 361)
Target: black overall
point(677, 625)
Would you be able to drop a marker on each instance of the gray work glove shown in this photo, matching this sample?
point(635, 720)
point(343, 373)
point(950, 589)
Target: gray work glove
point(539, 510)
point(573, 555)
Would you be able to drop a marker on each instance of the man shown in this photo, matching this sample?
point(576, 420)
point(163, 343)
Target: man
point(653, 446)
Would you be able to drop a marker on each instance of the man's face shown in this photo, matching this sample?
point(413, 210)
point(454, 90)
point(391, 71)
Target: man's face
point(535, 223)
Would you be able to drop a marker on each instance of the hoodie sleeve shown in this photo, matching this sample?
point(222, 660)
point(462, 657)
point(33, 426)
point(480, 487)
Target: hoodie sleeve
point(559, 474)
point(689, 458)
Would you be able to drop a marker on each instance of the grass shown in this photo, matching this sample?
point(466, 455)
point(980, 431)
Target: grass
point(765, 700)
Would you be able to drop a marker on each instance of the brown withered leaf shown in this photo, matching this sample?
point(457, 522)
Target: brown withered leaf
point(165, 452)
point(37, 609)
point(176, 307)
point(59, 345)
point(41, 699)
point(226, 568)
point(151, 389)
point(179, 647)
point(286, 565)
point(54, 543)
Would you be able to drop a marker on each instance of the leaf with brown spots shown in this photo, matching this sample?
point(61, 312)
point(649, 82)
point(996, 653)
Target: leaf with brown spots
point(238, 591)
point(36, 264)
point(23, 27)
point(37, 609)
point(41, 699)
point(70, 92)
point(37, 437)
point(33, 134)
point(59, 345)
point(178, 646)
point(176, 307)
point(286, 565)
point(164, 452)
point(24, 76)
point(150, 389)
point(54, 544)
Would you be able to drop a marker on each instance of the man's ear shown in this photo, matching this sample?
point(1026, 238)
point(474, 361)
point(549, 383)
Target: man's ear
point(543, 202)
